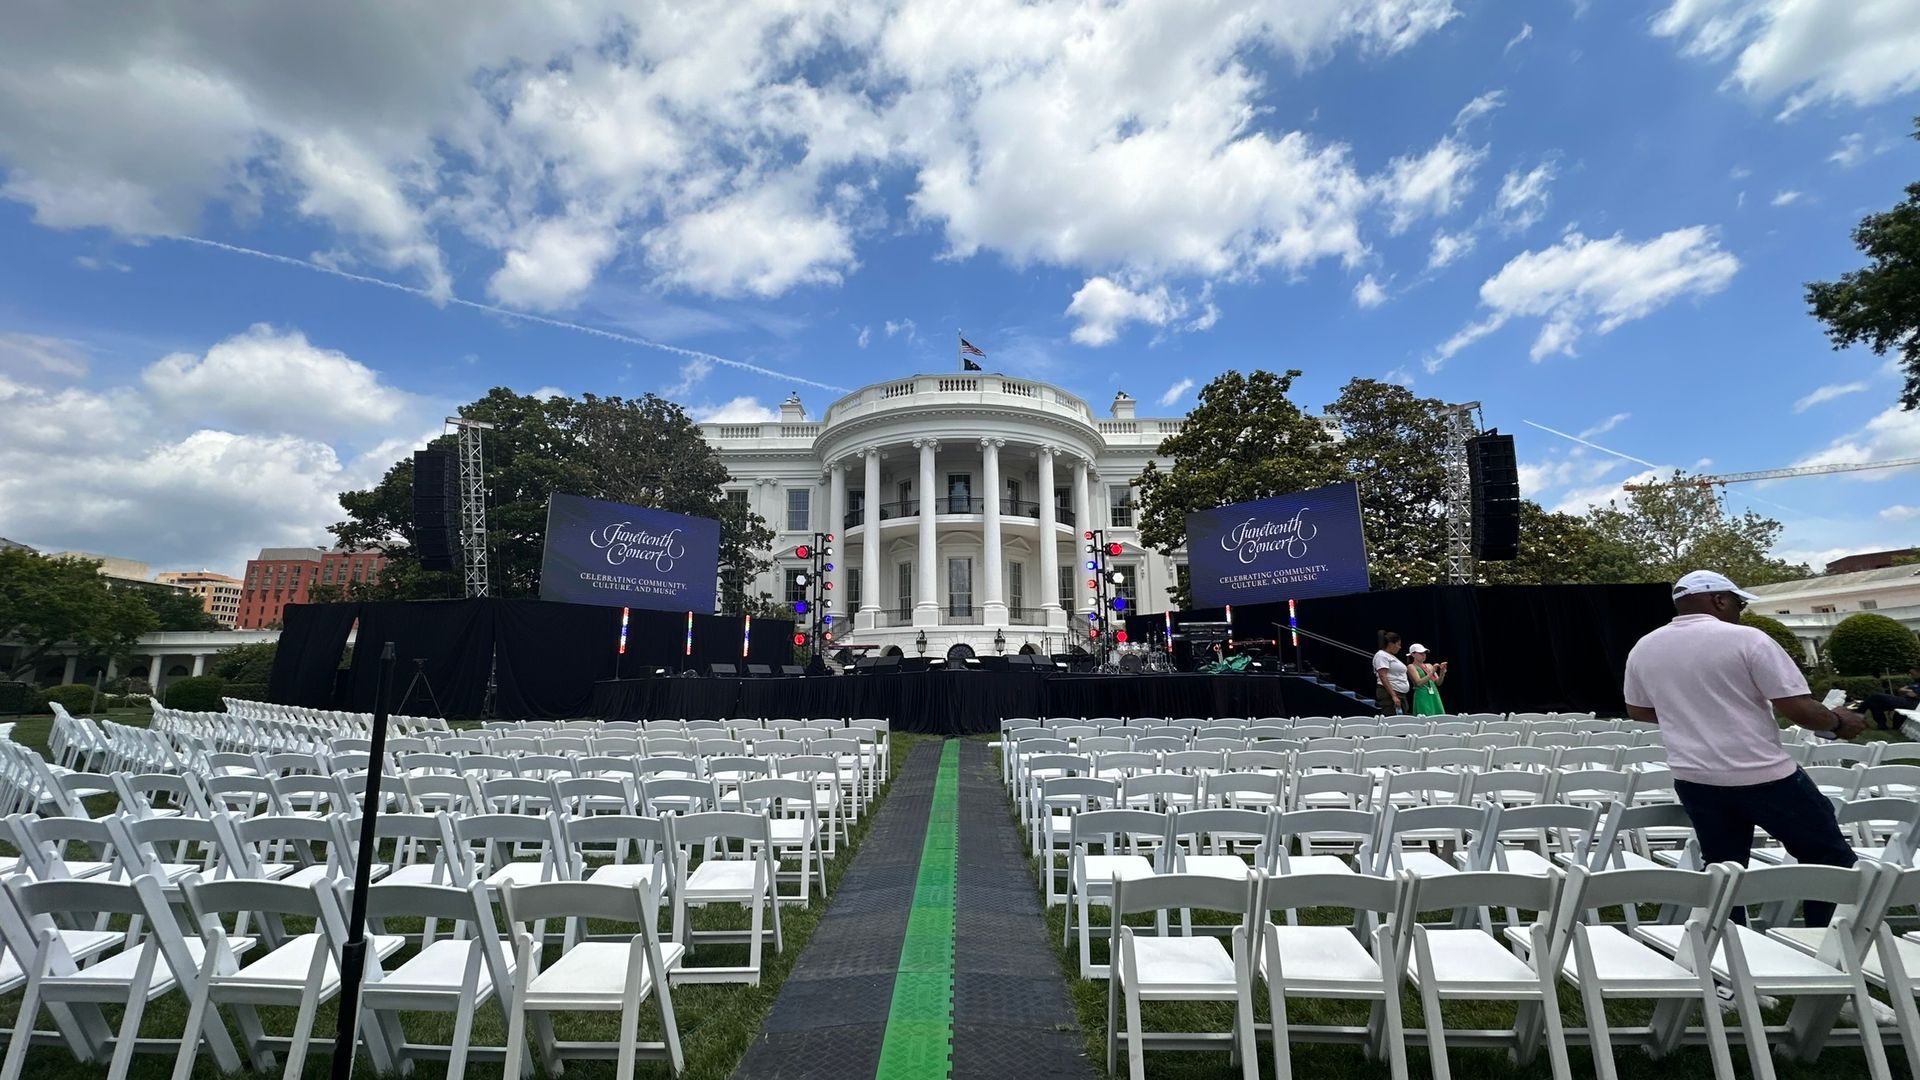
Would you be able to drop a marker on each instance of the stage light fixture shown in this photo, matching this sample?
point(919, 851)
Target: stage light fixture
point(829, 539)
point(827, 636)
point(800, 579)
point(1117, 578)
point(1120, 636)
point(1093, 635)
point(800, 639)
point(826, 552)
point(1093, 583)
point(1093, 616)
point(1089, 534)
point(829, 568)
point(827, 619)
point(1113, 549)
point(1091, 550)
point(827, 585)
point(1119, 603)
point(803, 552)
point(799, 607)
point(1091, 565)
point(826, 605)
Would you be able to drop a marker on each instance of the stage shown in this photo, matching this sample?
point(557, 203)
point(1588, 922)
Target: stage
point(968, 702)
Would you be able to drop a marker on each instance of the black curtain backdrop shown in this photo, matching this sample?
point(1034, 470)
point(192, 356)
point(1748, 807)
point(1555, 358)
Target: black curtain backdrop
point(312, 639)
point(453, 637)
point(548, 656)
point(968, 702)
point(1513, 648)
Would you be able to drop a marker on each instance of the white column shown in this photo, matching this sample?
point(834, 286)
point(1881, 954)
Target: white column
point(199, 664)
point(870, 575)
point(836, 525)
point(994, 610)
point(926, 606)
point(153, 672)
point(1049, 546)
point(1082, 498)
point(73, 669)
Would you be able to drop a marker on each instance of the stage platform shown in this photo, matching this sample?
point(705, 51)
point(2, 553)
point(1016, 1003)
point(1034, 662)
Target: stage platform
point(970, 702)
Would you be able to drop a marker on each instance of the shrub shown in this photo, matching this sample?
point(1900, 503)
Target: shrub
point(1854, 686)
point(1778, 631)
point(76, 698)
point(201, 693)
point(17, 697)
point(243, 691)
point(245, 663)
point(1870, 644)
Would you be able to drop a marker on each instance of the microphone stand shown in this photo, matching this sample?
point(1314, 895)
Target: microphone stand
point(353, 955)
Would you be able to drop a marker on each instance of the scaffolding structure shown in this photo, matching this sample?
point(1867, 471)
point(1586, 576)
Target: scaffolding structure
point(473, 504)
point(1463, 424)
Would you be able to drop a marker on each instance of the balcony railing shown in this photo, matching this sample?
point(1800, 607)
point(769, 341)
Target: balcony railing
point(959, 504)
point(1020, 508)
point(962, 616)
point(905, 508)
point(854, 519)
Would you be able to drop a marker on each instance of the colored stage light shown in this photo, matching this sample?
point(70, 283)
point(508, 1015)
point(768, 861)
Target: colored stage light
point(803, 552)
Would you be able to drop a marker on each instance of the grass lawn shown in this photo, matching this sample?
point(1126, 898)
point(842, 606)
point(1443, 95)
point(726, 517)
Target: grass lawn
point(1326, 1061)
point(717, 1022)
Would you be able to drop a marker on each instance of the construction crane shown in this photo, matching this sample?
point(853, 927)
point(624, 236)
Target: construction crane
point(1724, 479)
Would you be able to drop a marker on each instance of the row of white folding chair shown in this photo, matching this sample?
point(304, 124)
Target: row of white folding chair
point(1441, 750)
point(76, 742)
point(1521, 960)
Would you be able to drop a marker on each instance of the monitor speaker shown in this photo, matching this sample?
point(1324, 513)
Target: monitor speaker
point(718, 670)
point(759, 671)
point(1495, 488)
point(436, 509)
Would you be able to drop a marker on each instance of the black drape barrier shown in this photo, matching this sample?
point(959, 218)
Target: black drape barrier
point(549, 656)
point(1512, 648)
point(312, 639)
point(450, 640)
point(968, 702)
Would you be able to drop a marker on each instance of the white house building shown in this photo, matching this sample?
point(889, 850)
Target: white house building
point(1812, 607)
point(958, 503)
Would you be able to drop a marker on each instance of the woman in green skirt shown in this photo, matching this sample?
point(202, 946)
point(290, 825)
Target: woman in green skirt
point(1426, 679)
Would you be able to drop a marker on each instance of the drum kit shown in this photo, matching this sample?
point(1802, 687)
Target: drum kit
point(1138, 658)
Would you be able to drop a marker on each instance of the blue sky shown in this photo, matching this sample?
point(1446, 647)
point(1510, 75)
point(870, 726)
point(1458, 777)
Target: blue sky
point(248, 258)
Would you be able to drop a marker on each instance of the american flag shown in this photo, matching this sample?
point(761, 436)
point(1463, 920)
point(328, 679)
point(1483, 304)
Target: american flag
point(968, 348)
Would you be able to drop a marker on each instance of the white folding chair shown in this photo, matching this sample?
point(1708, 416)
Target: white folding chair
point(590, 976)
point(1163, 967)
point(1349, 963)
point(456, 974)
point(736, 867)
point(1133, 845)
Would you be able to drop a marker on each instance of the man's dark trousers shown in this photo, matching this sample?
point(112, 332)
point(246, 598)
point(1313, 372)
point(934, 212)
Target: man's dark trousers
point(1790, 809)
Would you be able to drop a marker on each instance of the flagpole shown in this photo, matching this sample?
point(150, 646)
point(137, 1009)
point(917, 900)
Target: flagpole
point(959, 353)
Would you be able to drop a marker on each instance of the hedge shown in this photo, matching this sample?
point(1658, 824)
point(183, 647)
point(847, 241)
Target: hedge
point(1854, 686)
point(201, 693)
point(1778, 631)
point(1872, 644)
point(76, 698)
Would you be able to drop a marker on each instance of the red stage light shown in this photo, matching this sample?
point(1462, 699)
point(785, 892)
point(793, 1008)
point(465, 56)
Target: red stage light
point(1120, 636)
point(829, 538)
point(802, 552)
point(800, 639)
point(1089, 534)
point(1113, 549)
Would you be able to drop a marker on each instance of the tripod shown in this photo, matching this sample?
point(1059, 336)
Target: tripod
point(419, 682)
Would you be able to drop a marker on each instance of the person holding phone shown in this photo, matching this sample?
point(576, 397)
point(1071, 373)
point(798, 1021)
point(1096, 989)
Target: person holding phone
point(1713, 686)
point(1425, 677)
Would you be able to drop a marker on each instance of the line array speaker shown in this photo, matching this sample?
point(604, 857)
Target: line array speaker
point(436, 509)
point(1495, 479)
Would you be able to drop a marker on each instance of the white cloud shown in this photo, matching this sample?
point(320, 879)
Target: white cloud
point(1526, 31)
point(546, 393)
point(692, 373)
point(1176, 392)
point(551, 263)
point(1827, 393)
point(1523, 197)
point(1785, 198)
point(266, 380)
point(1606, 425)
point(1893, 433)
point(31, 355)
point(1900, 512)
point(762, 242)
point(1448, 247)
point(1369, 293)
point(1104, 307)
point(1580, 286)
point(1854, 150)
point(865, 336)
point(1858, 52)
point(740, 410)
point(1739, 173)
point(1433, 184)
point(1481, 106)
point(904, 327)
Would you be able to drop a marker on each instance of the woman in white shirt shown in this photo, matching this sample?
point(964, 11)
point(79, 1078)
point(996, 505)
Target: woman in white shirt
point(1391, 694)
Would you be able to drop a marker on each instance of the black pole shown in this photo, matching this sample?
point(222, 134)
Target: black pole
point(353, 956)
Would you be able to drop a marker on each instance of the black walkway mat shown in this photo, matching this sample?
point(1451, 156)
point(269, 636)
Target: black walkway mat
point(830, 1019)
point(1011, 1015)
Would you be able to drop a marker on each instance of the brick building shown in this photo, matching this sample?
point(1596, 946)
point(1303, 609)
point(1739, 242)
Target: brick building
point(282, 576)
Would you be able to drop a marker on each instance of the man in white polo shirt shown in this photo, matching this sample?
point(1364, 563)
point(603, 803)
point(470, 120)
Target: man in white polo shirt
point(1713, 686)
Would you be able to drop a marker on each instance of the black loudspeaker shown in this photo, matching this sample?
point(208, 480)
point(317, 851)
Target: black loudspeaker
point(886, 665)
point(759, 671)
point(1495, 479)
point(996, 663)
point(863, 663)
point(792, 669)
point(436, 509)
point(720, 670)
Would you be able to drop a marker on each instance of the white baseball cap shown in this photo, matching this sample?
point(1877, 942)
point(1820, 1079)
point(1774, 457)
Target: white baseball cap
point(1416, 649)
point(1706, 581)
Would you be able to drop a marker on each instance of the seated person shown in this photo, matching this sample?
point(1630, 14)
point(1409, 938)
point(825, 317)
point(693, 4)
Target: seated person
point(1881, 706)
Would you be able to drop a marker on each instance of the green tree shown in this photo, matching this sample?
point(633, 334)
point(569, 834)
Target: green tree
point(176, 609)
point(1246, 439)
point(1393, 444)
point(1879, 305)
point(251, 663)
point(1872, 644)
point(1562, 549)
point(1672, 528)
point(45, 603)
point(644, 451)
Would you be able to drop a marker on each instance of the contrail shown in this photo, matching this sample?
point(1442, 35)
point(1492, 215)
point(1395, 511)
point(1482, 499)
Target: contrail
point(1592, 445)
point(507, 313)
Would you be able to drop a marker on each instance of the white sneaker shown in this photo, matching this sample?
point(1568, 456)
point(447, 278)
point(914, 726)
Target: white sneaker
point(1883, 1016)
